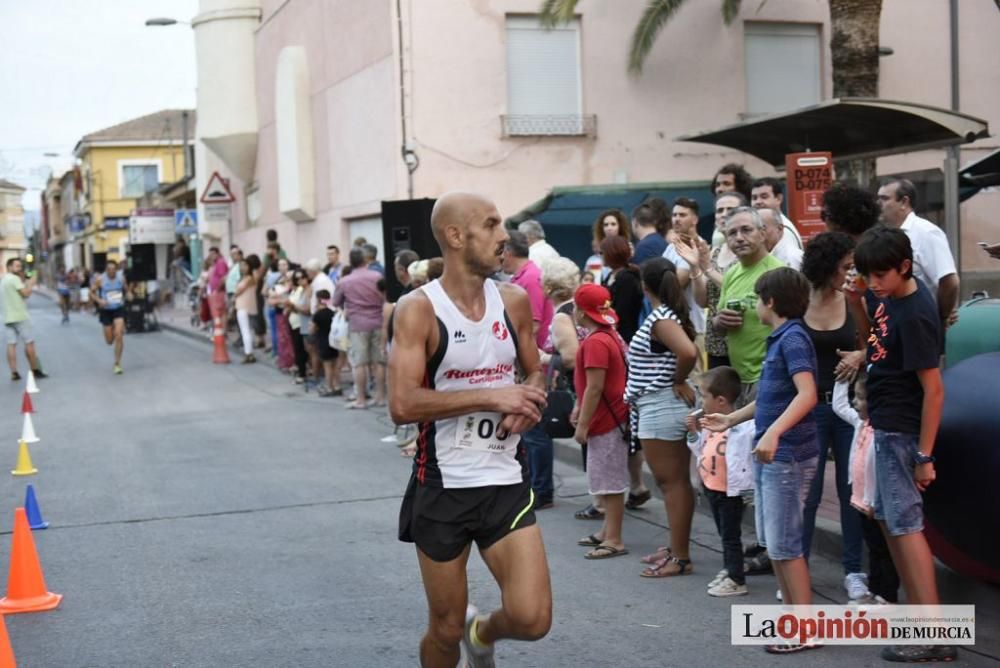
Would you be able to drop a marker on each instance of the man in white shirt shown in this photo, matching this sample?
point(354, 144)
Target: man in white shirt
point(779, 243)
point(767, 193)
point(539, 250)
point(684, 222)
point(932, 259)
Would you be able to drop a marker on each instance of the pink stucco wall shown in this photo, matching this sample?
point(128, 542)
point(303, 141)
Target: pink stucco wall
point(454, 54)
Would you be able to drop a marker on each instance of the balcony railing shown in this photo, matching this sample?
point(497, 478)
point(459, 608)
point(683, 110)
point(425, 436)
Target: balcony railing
point(549, 125)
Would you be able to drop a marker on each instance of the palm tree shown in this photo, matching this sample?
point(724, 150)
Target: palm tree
point(854, 28)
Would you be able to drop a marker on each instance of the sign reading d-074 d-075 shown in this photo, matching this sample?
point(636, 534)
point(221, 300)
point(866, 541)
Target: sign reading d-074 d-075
point(808, 175)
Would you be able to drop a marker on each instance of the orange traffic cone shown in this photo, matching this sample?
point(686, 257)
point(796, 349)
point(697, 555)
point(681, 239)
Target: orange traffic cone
point(221, 355)
point(6, 651)
point(26, 590)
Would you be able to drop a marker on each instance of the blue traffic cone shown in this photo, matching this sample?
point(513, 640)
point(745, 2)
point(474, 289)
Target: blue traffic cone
point(35, 520)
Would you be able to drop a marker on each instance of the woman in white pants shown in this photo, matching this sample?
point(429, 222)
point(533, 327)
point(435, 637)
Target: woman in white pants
point(246, 307)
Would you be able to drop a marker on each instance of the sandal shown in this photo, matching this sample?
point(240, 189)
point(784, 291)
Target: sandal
point(661, 553)
point(589, 513)
point(590, 541)
point(636, 500)
point(676, 567)
point(605, 552)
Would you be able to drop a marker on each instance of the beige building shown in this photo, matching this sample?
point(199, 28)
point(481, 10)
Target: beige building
point(318, 111)
point(118, 166)
point(12, 241)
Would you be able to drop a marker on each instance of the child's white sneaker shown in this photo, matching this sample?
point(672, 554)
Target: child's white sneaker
point(856, 585)
point(728, 588)
point(719, 577)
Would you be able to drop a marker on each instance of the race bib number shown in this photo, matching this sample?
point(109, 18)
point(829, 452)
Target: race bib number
point(478, 431)
point(114, 297)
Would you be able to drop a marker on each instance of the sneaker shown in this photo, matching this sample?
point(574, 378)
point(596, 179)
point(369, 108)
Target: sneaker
point(869, 599)
point(118, 370)
point(728, 588)
point(856, 585)
point(719, 577)
point(40, 374)
point(919, 653)
point(15, 375)
point(756, 561)
point(778, 595)
point(476, 656)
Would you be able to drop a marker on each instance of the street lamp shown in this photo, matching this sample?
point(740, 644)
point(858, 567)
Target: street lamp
point(164, 21)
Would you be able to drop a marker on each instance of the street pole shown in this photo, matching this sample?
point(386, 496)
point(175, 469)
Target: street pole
point(952, 211)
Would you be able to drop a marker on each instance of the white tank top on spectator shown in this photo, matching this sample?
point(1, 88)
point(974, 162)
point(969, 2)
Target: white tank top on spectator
point(466, 451)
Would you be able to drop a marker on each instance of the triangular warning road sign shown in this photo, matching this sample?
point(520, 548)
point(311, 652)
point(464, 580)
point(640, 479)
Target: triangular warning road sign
point(217, 191)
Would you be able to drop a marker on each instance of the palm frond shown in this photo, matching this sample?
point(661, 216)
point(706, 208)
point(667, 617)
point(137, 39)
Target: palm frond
point(731, 9)
point(555, 12)
point(654, 17)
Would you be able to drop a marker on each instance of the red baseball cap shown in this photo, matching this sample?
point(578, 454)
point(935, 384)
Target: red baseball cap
point(595, 301)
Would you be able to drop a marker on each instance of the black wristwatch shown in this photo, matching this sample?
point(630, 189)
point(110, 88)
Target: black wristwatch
point(922, 458)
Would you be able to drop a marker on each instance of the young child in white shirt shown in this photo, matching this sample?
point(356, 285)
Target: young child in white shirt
point(726, 471)
point(883, 582)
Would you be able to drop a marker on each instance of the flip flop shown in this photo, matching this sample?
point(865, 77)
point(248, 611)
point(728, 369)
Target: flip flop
point(605, 552)
point(590, 541)
point(636, 500)
point(355, 407)
point(589, 513)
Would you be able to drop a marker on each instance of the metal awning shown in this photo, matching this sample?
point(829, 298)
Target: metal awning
point(849, 128)
point(982, 173)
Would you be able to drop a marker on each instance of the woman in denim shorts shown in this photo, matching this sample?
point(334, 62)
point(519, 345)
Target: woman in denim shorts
point(661, 355)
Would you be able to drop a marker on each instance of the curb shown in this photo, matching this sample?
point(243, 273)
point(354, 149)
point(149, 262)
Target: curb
point(826, 537)
point(827, 541)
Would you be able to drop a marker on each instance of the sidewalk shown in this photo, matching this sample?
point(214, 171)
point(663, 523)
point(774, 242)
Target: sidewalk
point(827, 538)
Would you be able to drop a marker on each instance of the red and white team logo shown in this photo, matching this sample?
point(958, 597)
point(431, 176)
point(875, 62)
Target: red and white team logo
point(500, 330)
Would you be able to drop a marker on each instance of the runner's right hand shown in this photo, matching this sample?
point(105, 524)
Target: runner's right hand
point(520, 400)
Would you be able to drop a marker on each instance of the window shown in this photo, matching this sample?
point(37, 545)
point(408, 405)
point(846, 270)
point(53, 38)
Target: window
point(137, 178)
point(543, 79)
point(782, 66)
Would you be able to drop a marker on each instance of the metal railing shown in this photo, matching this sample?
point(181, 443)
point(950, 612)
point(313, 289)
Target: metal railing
point(549, 125)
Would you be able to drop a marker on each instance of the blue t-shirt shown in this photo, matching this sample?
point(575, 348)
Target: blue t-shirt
point(652, 245)
point(789, 351)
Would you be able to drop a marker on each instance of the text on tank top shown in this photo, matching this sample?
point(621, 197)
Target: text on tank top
point(467, 451)
point(113, 291)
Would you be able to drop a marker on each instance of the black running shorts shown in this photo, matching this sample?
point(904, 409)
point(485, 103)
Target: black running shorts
point(442, 522)
point(108, 317)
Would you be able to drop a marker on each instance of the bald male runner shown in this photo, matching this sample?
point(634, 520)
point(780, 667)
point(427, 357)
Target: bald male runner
point(458, 342)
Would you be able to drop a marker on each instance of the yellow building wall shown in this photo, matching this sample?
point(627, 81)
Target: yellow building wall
point(105, 200)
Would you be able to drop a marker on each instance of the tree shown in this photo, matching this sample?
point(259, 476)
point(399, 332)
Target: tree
point(854, 28)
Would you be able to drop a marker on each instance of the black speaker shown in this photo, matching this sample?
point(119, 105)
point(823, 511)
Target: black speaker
point(406, 225)
point(142, 262)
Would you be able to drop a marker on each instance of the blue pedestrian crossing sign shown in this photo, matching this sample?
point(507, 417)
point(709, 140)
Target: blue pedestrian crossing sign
point(186, 221)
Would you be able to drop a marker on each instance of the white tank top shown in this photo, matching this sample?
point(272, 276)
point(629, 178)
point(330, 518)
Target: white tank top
point(466, 451)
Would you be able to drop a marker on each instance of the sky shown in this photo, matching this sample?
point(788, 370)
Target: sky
point(71, 67)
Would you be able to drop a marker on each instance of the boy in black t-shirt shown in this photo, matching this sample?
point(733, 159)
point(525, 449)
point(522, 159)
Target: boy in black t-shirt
point(321, 322)
point(905, 397)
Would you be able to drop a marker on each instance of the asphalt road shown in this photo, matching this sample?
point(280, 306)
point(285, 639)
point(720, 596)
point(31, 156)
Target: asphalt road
point(218, 516)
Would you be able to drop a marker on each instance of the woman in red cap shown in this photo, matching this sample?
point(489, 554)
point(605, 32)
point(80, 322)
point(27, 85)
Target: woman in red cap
point(601, 416)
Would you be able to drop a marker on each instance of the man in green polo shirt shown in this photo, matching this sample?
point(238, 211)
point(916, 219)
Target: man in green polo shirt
point(746, 335)
point(14, 291)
